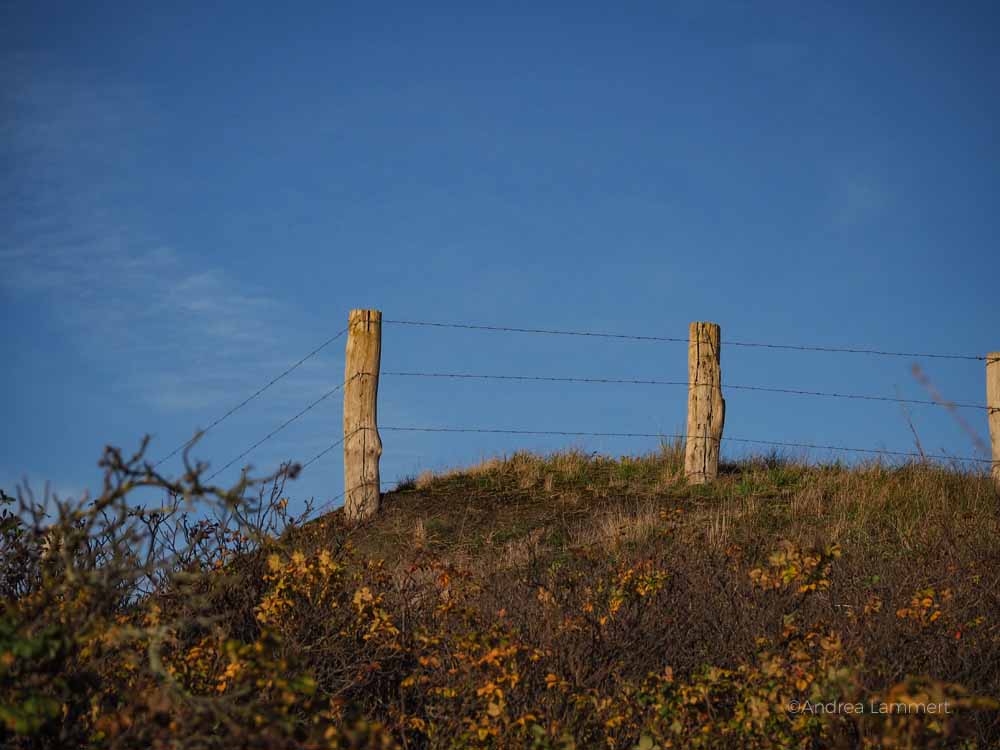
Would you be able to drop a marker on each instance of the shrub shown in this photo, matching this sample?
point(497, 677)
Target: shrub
point(216, 619)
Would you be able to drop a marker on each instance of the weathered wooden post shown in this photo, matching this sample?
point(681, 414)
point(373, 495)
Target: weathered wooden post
point(362, 444)
point(706, 407)
point(993, 404)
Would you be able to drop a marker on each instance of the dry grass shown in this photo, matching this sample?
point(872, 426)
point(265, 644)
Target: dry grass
point(571, 500)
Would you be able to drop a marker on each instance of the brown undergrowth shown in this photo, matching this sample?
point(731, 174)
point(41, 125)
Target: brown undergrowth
point(562, 601)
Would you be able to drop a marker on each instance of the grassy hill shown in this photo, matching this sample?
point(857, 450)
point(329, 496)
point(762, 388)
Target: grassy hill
point(550, 601)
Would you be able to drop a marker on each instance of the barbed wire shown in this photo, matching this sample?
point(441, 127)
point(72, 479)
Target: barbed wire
point(660, 435)
point(549, 331)
point(857, 350)
point(398, 481)
point(287, 422)
point(671, 339)
point(247, 400)
point(326, 450)
point(596, 334)
point(731, 386)
point(628, 381)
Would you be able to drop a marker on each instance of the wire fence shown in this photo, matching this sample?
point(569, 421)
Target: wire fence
point(282, 426)
point(250, 398)
point(669, 436)
point(394, 484)
point(531, 378)
point(676, 340)
point(391, 486)
point(685, 383)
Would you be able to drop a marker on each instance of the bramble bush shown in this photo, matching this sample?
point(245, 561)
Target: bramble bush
point(217, 619)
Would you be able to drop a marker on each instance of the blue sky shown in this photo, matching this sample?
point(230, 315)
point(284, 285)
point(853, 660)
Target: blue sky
point(196, 195)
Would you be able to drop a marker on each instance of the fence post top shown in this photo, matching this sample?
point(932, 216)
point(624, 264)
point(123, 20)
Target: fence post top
point(992, 358)
point(365, 318)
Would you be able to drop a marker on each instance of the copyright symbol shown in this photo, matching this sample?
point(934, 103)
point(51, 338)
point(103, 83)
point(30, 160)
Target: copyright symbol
point(793, 706)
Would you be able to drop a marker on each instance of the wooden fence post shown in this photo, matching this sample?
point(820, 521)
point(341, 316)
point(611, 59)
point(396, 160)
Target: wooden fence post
point(362, 444)
point(993, 403)
point(706, 407)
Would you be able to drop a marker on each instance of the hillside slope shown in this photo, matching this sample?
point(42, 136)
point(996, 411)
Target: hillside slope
point(561, 601)
point(782, 582)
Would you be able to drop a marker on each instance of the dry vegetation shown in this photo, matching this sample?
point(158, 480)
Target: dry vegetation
point(567, 601)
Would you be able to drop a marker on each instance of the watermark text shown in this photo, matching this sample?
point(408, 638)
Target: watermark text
point(870, 707)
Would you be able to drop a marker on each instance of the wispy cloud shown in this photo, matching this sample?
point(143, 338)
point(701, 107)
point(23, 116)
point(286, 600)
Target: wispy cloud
point(194, 338)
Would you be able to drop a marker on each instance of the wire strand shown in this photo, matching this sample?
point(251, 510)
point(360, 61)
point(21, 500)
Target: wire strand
point(246, 401)
point(323, 506)
point(856, 350)
point(774, 443)
point(599, 334)
point(630, 381)
point(553, 332)
point(326, 450)
point(400, 480)
point(285, 424)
